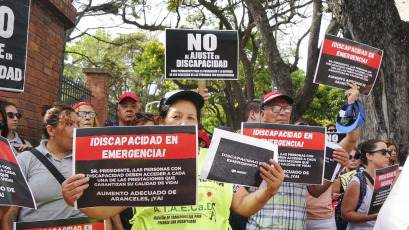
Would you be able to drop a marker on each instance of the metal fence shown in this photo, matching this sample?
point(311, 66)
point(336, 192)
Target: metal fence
point(71, 92)
point(112, 115)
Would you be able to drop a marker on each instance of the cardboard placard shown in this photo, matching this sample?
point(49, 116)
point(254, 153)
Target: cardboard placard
point(82, 223)
point(342, 60)
point(234, 158)
point(201, 54)
point(335, 137)
point(137, 166)
point(14, 189)
point(301, 149)
point(14, 21)
point(331, 166)
point(382, 187)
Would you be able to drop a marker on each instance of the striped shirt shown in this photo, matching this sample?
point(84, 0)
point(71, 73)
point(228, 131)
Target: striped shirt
point(285, 210)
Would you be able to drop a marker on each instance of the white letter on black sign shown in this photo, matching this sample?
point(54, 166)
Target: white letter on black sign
point(6, 12)
point(210, 42)
point(193, 41)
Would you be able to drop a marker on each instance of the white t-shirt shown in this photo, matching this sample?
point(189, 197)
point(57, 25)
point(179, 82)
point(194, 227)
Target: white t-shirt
point(394, 212)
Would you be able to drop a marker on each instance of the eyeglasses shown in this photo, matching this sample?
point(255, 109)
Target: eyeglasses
point(356, 156)
point(277, 108)
point(147, 115)
point(84, 114)
point(12, 115)
point(332, 130)
point(383, 151)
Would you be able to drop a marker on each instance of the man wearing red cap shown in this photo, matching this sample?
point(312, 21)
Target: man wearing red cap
point(287, 209)
point(128, 105)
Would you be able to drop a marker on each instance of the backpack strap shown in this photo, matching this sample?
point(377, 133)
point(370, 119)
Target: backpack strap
point(362, 190)
point(60, 178)
point(369, 177)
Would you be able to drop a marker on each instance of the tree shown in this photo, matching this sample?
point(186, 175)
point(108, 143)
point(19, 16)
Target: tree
point(377, 23)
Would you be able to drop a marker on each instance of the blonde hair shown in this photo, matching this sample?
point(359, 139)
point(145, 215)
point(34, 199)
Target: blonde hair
point(96, 123)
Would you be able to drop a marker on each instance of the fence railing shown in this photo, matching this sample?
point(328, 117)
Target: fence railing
point(112, 115)
point(71, 92)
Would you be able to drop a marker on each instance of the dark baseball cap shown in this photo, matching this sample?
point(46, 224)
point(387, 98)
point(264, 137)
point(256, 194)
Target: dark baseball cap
point(170, 97)
point(274, 95)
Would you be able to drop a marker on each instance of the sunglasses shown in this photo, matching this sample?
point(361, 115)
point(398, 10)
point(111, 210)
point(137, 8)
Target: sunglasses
point(356, 156)
point(84, 114)
point(332, 130)
point(147, 115)
point(277, 108)
point(12, 115)
point(383, 151)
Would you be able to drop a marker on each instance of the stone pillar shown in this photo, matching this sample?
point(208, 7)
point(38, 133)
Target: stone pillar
point(98, 82)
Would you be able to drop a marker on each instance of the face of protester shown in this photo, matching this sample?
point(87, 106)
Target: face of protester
point(87, 121)
point(377, 159)
point(394, 156)
point(12, 122)
point(181, 112)
point(353, 163)
point(270, 116)
point(65, 129)
point(126, 111)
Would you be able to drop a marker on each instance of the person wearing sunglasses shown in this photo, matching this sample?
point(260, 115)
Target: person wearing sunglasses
point(86, 114)
point(375, 155)
point(394, 148)
point(12, 121)
point(144, 119)
point(331, 128)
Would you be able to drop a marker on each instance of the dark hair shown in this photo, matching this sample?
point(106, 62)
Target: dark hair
point(403, 154)
point(144, 117)
point(367, 147)
point(53, 114)
point(307, 121)
point(4, 104)
point(5, 129)
point(251, 105)
point(329, 125)
point(163, 110)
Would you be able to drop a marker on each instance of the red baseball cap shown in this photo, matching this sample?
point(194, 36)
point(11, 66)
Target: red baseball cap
point(274, 95)
point(128, 94)
point(202, 135)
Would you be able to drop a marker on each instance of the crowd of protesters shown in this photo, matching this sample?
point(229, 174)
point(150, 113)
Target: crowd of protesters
point(280, 205)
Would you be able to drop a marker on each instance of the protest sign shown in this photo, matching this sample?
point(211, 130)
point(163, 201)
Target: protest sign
point(14, 17)
point(201, 54)
point(137, 166)
point(342, 60)
point(382, 187)
point(234, 158)
point(82, 223)
point(301, 149)
point(335, 137)
point(14, 190)
point(331, 166)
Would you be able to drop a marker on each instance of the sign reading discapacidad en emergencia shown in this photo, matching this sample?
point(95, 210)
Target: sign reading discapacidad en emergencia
point(201, 54)
point(14, 17)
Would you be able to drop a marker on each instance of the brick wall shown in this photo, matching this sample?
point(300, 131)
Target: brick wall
point(48, 21)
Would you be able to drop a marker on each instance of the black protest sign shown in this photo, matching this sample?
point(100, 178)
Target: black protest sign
point(382, 187)
point(14, 190)
point(82, 223)
point(342, 60)
point(331, 166)
point(137, 166)
point(335, 137)
point(301, 149)
point(201, 54)
point(234, 158)
point(14, 17)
